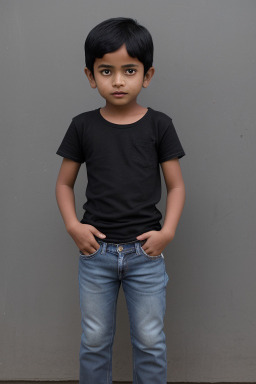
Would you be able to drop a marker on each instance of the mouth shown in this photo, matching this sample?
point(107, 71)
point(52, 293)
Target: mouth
point(119, 95)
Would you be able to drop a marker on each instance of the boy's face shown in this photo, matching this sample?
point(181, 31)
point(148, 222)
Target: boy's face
point(119, 77)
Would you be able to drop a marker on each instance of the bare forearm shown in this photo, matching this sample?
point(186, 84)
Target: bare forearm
point(66, 203)
point(174, 205)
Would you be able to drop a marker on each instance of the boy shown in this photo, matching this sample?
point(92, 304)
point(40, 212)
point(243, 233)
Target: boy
point(119, 237)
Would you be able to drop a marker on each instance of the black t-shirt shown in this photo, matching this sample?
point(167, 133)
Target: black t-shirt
point(123, 172)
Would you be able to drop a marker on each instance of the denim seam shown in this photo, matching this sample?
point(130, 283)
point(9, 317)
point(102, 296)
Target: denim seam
point(112, 338)
point(136, 243)
point(91, 254)
point(152, 257)
point(132, 341)
point(128, 242)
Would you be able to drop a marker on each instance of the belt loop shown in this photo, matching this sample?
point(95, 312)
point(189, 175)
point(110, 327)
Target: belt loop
point(104, 246)
point(137, 247)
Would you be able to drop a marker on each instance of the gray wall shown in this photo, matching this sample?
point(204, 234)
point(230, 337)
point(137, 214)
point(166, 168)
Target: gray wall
point(205, 79)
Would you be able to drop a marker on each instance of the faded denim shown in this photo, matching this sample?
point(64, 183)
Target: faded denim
point(144, 281)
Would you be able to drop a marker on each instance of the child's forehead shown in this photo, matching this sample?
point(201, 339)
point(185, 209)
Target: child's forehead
point(120, 56)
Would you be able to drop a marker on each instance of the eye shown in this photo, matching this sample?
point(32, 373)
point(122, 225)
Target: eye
point(105, 72)
point(131, 71)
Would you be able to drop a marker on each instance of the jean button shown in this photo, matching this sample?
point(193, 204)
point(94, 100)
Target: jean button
point(120, 248)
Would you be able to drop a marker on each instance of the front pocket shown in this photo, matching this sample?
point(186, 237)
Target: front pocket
point(152, 257)
point(90, 255)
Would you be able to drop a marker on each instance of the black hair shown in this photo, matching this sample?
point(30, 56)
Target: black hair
point(111, 34)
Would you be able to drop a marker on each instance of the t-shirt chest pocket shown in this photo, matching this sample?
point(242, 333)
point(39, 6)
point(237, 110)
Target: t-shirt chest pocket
point(145, 154)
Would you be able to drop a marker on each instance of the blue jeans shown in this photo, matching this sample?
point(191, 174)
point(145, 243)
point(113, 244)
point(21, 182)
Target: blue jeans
point(144, 281)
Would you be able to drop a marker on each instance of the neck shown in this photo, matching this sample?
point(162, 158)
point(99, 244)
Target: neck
point(123, 110)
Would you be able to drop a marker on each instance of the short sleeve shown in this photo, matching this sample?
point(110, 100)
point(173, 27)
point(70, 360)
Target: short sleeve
point(71, 146)
point(169, 146)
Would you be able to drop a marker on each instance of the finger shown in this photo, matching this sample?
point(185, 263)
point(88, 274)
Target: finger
point(96, 245)
point(145, 245)
point(87, 251)
point(149, 251)
point(97, 233)
point(91, 248)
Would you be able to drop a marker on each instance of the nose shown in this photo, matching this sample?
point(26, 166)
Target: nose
point(118, 80)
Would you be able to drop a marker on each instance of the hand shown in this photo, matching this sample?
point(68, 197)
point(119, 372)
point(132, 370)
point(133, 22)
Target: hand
point(156, 241)
point(83, 236)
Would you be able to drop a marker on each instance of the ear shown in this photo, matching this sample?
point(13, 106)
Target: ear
point(148, 76)
point(90, 77)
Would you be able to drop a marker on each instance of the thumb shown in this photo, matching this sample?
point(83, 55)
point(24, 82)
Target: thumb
point(97, 233)
point(143, 236)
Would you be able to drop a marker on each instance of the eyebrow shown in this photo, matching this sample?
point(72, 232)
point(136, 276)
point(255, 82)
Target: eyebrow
point(123, 66)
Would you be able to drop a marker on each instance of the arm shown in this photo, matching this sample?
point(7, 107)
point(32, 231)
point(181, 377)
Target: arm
point(158, 240)
point(65, 191)
point(175, 196)
point(82, 234)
